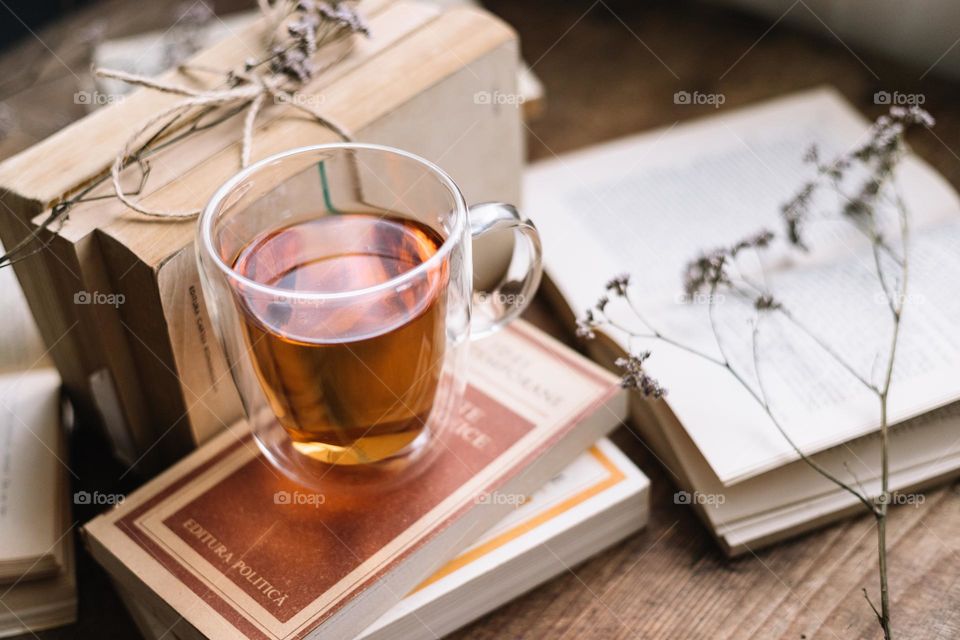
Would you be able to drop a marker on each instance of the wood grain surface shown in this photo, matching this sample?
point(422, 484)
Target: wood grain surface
point(611, 69)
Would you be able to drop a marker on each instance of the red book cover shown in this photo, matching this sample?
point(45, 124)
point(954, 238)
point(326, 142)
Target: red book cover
point(232, 546)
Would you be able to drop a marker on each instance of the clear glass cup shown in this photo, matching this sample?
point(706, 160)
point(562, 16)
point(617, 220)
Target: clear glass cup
point(339, 280)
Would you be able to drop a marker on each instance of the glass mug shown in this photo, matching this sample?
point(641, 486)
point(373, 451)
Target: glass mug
point(339, 280)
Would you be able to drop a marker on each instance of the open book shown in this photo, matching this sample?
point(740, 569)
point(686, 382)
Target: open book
point(647, 205)
point(36, 552)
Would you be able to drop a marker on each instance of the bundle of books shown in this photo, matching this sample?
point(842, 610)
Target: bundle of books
point(223, 546)
point(655, 202)
point(37, 586)
point(117, 295)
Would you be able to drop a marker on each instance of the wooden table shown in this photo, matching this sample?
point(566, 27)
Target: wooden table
point(611, 69)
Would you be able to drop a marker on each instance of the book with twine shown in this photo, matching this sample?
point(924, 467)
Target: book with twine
point(117, 294)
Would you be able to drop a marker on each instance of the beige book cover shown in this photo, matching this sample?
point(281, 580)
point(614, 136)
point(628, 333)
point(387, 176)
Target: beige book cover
point(236, 549)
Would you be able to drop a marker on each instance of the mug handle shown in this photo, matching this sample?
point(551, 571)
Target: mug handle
point(494, 309)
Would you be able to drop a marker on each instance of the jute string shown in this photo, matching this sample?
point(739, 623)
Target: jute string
point(253, 89)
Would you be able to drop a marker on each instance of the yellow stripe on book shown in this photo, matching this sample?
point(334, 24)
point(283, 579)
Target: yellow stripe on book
point(615, 476)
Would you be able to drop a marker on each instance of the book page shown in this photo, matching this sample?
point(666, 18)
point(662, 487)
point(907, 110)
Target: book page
point(648, 204)
point(20, 344)
point(30, 500)
point(924, 447)
point(788, 500)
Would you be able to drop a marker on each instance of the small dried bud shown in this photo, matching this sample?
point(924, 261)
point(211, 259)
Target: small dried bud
point(759, 240)
point(857, 209)
point(344, 15)
point(303, 30)
point(619, 284)
point(602, 303)
point(293, 63)
point(912, 115)
point(706, 272)
point(795, 213)
point(585, 327)
point(766, 302)
point(635, 377)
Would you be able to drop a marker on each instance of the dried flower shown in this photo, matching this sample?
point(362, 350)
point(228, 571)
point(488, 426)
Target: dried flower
point(585, 331)
point(313, 24)
point(619, 284)
point(759, 240)
point(708, 271)
point(586, 325)
point(795, 213)
point(343, 14)
point(304, 32)
point(858, 208)
point(294, 63)
point(880, 154)
point(635, 377)
point(874, 165)
point(766, 302)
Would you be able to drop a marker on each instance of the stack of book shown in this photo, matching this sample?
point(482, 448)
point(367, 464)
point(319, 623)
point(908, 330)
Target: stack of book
point(37, 587)
point(118, 297)
point(647, 205)
point(223, 546)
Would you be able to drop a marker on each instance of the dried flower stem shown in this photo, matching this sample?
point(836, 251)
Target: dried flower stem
point(711, 271)
point(724, 362)
point(896, 310)
point(760, 396)
point(788, 315)
point(316, 24)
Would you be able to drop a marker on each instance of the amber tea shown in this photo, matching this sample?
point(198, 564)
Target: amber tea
point(351, 384)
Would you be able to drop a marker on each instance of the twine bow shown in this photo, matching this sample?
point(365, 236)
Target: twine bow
point(249, 89)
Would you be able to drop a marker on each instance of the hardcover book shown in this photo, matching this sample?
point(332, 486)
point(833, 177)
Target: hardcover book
point(226, 542)
point(599, 499)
